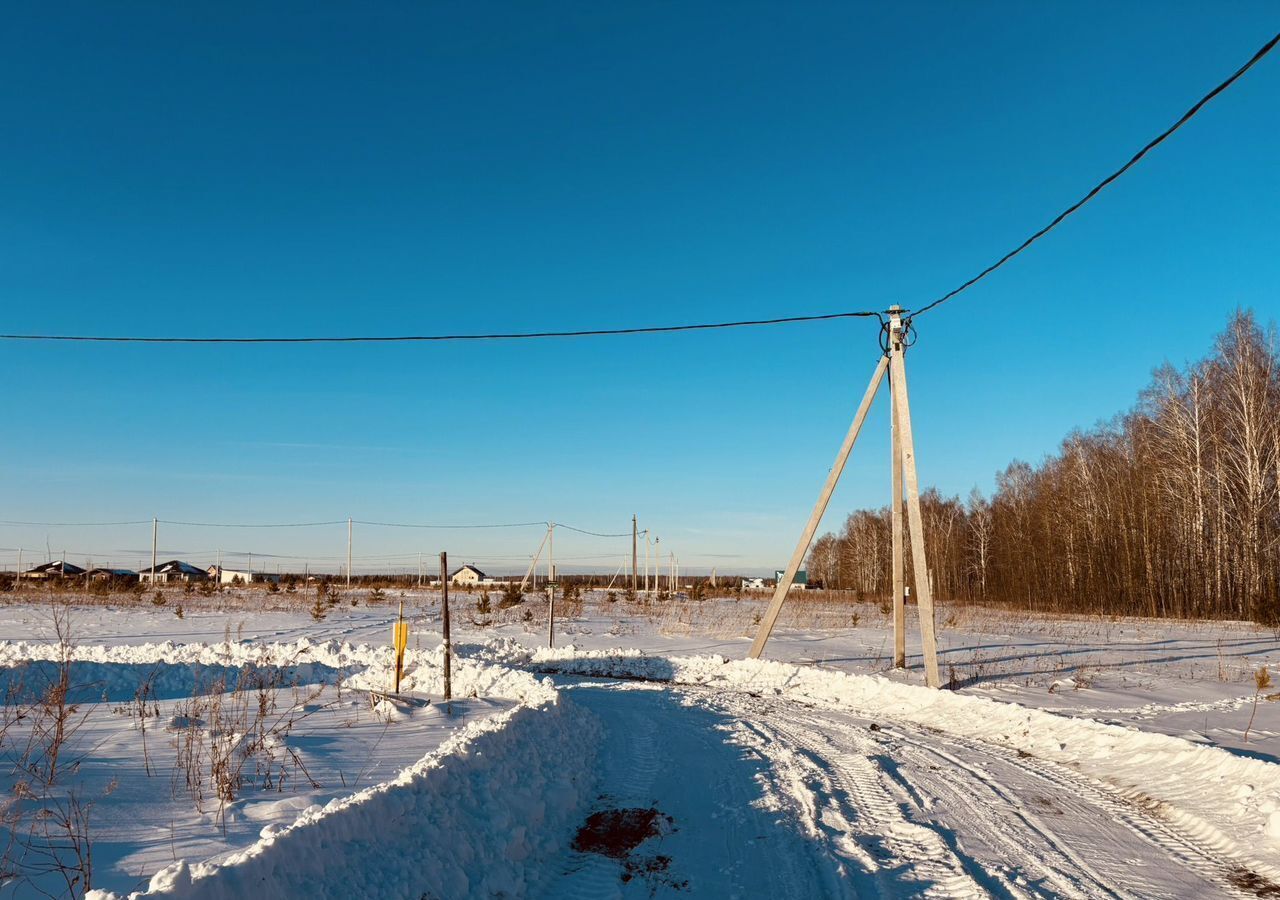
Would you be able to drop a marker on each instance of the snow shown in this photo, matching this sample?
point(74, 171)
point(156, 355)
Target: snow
point(1229, 801)
point(1076, 757)
point(473, 818)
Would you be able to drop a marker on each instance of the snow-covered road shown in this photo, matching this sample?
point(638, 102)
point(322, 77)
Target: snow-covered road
point(770, 797)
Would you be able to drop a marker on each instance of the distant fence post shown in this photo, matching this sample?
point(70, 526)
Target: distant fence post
point(444, 622)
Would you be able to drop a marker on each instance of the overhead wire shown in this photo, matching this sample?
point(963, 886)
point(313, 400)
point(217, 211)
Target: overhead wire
point(1096, 189)
point(440, 338)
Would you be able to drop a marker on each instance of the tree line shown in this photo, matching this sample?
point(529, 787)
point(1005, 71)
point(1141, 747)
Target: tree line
point(1170, 509)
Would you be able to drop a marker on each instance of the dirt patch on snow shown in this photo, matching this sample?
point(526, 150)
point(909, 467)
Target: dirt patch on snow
point(1253, 883)
point(616, 832)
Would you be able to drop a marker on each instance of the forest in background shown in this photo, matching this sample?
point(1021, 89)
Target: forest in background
point(1170, 509)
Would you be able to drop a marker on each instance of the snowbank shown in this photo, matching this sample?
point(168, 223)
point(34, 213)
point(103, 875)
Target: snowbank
point(475, 818)
point(115, 673)
point(1229, 802)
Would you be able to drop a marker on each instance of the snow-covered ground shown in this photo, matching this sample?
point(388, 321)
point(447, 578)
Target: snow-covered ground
point(1075, 757)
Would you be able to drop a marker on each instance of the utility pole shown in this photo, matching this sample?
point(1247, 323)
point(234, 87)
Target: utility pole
point(444, 624)
point(648, 542)
point(634, 536)
point(902, 415)
point(892, 357)
point(348, 551)
point(155, 530)
point(533, 564)
point(899, 571)
point(419, 570)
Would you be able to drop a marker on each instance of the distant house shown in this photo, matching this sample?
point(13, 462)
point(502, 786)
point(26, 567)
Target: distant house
point(56, 569)
point(800, 582)
point(468, 574)
point(753, 584)
point(117, 575)
point(175, 570)
point(240, 576)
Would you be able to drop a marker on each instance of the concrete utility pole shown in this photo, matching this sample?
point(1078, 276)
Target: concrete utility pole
point(155, 530)
point(895, 507)
point(533, 563)
point(348, 551)
point(903, 449)
point(635, 534)
point(902, 416)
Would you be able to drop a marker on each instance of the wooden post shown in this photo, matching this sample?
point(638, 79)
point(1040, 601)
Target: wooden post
point(899, 563)
point(551, 585)
point(902, 416)
point(444, 623)
point(815, 518)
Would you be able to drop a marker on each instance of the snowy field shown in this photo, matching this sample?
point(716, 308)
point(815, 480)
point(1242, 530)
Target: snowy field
point(234, 749)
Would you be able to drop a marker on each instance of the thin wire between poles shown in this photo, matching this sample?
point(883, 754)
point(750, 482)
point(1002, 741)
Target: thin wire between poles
point(429, 338)
point(250, 524)
point(413, 525)
point(594, 533)
point(335, 522)
point(1151, 145)
point(77, 524)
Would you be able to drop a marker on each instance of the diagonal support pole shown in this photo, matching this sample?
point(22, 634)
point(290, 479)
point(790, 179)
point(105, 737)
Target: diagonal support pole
point(527, 575)
point(806, 538)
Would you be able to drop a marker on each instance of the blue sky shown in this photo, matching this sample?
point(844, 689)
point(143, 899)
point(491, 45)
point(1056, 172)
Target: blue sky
point(322, 169)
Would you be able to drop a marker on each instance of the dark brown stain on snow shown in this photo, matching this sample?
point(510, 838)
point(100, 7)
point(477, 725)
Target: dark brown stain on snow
point(1253, 883)
point(616, 832)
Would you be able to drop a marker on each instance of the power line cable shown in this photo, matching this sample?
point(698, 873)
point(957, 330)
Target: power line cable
point(437, 338)
point(414, 525)
point(593, 533)
point(1151, 145)
point(251, 524)
point(76, 524)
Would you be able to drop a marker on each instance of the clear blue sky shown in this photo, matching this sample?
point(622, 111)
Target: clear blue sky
point(275, 168)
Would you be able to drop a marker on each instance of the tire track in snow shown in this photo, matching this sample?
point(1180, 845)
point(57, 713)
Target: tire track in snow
point(1021, 853)
point(728, 840)
point(845, 804)
point(1083, 795)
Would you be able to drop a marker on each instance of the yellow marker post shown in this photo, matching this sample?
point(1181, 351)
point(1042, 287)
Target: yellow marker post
point(400, 640)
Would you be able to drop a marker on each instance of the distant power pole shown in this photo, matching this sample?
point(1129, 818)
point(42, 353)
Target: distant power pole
point(634, 535)
point(348, 551)
point(155, 530)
